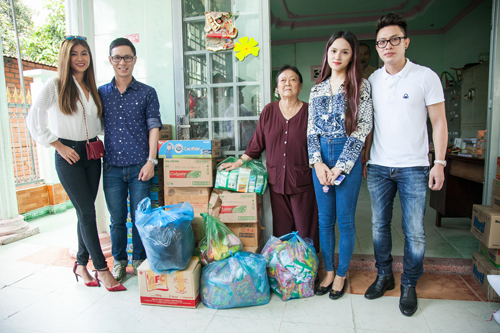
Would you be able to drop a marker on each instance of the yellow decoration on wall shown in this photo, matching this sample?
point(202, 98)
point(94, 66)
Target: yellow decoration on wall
point(243, 47)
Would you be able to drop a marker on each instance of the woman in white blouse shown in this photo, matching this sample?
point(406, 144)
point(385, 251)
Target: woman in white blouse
point(71, 104)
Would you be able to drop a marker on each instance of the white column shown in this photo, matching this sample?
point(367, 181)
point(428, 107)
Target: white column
point(12, 225)
point(80, 21)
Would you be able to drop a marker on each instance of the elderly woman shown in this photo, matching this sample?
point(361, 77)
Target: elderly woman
point(281, 130)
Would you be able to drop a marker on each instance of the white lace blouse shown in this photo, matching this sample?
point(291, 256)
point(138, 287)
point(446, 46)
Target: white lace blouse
point(46, 111)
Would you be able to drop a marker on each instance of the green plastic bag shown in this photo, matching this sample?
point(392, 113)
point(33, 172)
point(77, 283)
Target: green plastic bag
point(219, 241)
point(251, 177)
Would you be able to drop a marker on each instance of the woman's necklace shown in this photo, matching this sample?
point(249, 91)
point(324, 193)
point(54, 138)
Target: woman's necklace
point(297, 108)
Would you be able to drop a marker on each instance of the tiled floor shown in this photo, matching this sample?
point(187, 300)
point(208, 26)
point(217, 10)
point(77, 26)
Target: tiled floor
point(38, 293)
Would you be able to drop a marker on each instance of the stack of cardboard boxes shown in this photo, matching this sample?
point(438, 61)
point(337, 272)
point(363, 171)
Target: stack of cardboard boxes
point(188, 171)
point(486, 228)
point(242, 213)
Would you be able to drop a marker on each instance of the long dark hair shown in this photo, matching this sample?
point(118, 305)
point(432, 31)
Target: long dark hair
point(354, 77)
point(68, 91)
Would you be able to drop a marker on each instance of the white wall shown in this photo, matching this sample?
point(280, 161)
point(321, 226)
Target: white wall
point(152, 20)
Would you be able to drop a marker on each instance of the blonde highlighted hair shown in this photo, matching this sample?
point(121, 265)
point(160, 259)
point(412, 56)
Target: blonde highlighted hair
point(68, 91)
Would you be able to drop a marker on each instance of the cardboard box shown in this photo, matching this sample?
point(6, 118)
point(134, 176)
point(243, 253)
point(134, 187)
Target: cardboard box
point(495, 202)
point(179, 289)
point(249, 233)
point(189, 149)
point(486, 225)
point(498, 167)
point(480, 270)
point(492, 254)
point(166, 132)
point(234, 207)
point(189, 172)
point(198, 198)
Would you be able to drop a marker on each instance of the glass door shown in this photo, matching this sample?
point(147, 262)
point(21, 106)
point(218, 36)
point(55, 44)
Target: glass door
point(222, 95)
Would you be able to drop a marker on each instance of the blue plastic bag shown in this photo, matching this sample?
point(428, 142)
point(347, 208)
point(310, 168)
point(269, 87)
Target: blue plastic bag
point(292, 266)
point(237, 281)
point(166, 234)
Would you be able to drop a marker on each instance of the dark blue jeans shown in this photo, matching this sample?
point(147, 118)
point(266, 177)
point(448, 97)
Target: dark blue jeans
point(338, 204)
point(118, 181)
point(81, 182)
point(411, 183)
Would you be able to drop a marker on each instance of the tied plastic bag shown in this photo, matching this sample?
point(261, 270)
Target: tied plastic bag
point(237, 281)
point(251, 177)
point(292, 266)
point(166, 234)
point(219, 241)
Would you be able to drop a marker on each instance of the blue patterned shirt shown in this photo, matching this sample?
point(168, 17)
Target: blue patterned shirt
point(128, 117)
point(326, 119)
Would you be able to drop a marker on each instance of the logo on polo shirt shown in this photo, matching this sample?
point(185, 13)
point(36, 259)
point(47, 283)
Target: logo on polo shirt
point(405, 96)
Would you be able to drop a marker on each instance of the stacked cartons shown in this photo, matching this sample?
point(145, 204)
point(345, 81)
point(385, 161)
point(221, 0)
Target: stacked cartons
point(242, 213)
point(486, 228)
point(188, 172)
point(166, 132)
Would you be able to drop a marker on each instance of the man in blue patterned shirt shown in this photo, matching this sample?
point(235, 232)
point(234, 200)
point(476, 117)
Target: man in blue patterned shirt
point(132, 122)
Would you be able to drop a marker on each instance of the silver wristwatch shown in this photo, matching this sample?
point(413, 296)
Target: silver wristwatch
point(153, 160)
point(442, 162)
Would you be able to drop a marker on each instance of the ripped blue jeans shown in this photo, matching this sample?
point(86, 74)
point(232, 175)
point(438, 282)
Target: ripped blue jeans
point(411, 183)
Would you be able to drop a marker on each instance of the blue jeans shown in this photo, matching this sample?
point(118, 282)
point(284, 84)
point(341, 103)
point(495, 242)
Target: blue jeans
point(118, 181)
point(411, 183)
point(339, 203)
point(81, 182)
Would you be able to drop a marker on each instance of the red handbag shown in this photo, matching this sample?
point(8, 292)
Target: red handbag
point(95, 150)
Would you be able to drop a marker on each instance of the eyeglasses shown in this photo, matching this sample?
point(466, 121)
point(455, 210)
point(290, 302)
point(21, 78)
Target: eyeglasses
point(395, 41)
point(127, 58)
point(77, 37)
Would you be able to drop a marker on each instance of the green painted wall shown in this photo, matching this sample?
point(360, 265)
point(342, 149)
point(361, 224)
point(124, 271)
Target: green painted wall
point(460, 45)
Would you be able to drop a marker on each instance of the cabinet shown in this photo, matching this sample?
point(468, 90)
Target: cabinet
point(466, 103)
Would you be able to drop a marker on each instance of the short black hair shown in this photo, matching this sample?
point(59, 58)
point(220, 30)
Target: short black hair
point(392, 19)
point(121, 42)
point(287, 67)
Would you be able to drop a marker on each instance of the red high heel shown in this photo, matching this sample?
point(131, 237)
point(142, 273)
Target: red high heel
point(94, 283)
point(118, 287)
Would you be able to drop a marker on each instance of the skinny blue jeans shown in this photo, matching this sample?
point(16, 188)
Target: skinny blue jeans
point(337, 205)
point(117, 182)
point(411, 183)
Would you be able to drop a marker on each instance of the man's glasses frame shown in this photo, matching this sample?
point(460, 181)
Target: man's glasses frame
point(395, 41)
point(127, 58)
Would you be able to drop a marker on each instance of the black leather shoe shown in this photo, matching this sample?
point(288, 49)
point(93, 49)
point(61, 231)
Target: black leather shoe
point(320, 291)
point(337, 294)
point(408, 303)
point(380, 286)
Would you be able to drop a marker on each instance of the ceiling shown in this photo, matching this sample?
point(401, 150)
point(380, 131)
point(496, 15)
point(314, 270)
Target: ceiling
point(314, 20)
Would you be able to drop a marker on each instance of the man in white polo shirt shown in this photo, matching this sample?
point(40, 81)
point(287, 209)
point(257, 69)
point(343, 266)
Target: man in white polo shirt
point(403, 95)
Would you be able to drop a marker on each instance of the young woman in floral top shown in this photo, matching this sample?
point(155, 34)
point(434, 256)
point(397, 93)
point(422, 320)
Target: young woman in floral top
point(340, 118)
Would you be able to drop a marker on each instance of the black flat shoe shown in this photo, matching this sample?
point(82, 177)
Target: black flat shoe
point(320, 291)
point(408, 303)
point(337, 294)
point(380, 286)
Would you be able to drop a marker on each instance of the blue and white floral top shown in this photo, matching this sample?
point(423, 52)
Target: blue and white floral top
point(326, 119)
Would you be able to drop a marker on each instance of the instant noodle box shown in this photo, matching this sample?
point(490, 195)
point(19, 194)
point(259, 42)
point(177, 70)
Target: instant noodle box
point(492, 254)
point(178, 289)
point(486, 225)
point(189, 149)
point(234, 207)
point(495, 198)
point(198, 198)
point(481, 268)
point(189, 172)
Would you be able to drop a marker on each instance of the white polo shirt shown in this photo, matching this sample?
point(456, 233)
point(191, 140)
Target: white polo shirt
point(400, 115)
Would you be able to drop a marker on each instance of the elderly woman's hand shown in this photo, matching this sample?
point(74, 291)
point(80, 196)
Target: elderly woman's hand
point(231, 166)
point(322, 172)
